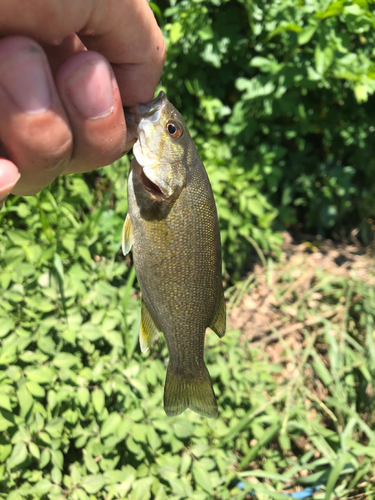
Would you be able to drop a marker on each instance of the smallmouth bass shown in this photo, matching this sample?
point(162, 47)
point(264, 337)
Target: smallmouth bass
point(173, 228)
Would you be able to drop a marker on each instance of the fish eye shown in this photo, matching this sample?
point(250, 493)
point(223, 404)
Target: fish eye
point(174, 129)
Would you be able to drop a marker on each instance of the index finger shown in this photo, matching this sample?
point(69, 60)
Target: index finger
point(124, 31)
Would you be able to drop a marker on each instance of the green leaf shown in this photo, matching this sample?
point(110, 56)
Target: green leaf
point(175, 32)
point(45, 437)
point(333, 9)
point(93, 483)
point(323, 58)
point(56, 475)
point(41, 375)
point(14, 495)
point(335, 473)
point(139, 433)
point(5, 450)
point(263, 441)
point(19, 237)
point(42, 487)
point(185, 463)
point(202, 477)
point(8, 354)
point(287, 27)
point(255, 207)
point(19, 455)
point(44, 458)
point(110, 425)
point(98, 400)
point(361, 92)
point(6, 325)
point(69, 244)
point(5, 402)
point(85, 254)
point(183, 428)
point(142, 489)
point(57, 264)
point(34, 450)
point(35, 389)
point(306, 34)
point(83, 396)
point(90, 463)
point(55, 427)
point(57, 458)
point(153, 438)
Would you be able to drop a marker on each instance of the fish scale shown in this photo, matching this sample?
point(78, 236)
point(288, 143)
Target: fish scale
point(173, 226)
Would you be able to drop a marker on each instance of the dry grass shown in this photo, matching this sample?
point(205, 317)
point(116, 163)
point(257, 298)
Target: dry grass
point(292, 310)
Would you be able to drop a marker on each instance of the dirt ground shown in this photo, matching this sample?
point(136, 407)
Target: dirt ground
point(275, 295)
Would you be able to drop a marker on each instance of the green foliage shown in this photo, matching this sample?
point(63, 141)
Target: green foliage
point(81, 410)
point(279, 97)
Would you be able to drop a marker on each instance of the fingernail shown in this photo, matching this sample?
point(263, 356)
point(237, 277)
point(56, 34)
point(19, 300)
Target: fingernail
point(23, 76)
point(91, 89)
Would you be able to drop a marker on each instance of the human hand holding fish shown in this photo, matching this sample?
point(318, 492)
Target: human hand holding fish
point(66, 70)
point(173, 228)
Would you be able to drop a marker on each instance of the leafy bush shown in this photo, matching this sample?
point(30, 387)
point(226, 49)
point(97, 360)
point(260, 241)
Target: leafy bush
point(279, 96)
point(81, 410)
point(275, 95)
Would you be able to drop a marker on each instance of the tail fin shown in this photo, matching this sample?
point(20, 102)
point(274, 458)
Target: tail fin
point(194, 392)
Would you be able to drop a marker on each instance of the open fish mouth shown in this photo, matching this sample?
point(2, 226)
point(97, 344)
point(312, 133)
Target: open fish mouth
point(138, 120)
point(151, 187)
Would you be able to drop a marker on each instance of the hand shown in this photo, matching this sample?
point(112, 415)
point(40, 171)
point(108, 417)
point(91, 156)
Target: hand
point(66, 70)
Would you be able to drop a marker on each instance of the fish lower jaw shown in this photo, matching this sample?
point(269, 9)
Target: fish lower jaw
point(150, 186)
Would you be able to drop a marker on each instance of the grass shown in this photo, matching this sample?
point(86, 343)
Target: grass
point(81, 412)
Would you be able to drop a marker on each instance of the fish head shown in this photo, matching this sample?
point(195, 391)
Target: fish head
point(163, 147)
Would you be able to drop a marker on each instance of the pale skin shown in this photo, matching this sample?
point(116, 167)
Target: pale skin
point(67, 68)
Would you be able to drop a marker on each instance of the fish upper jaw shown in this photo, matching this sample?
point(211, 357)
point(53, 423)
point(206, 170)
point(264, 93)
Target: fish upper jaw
point(153, 108)
point(142, 112)
point(154, 175)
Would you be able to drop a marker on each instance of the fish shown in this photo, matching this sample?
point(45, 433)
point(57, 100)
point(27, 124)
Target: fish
point(172, 227)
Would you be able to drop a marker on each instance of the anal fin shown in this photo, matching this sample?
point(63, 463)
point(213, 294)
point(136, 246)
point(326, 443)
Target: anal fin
point(127, 235)
point(219, 320)
point(149, 330)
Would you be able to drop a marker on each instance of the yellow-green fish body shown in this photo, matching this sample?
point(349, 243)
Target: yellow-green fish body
point(173, 227)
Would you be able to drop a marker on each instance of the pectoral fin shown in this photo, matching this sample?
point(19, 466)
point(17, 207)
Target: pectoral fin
point(219, 320)
point(149, 330)
point(127, 235)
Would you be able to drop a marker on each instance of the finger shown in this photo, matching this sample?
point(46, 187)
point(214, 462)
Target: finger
point(58, 54)
point(91, 98)
point(124, 31)
point(127, 34)
point(9, 176)
point(34, 129)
